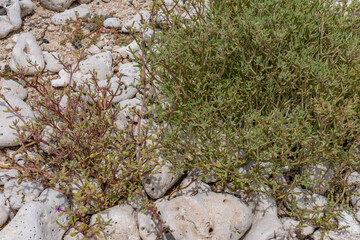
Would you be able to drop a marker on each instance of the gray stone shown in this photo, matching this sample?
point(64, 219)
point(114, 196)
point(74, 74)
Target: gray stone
point(123, 223)
point(124, 92)
point(80, 11)
point(52, 63)
point(129, 104)
point(12, 20)
point(37, 219)
point(26, 48)
point(19, 194)
point(12, 88)
point(112, 23)
point(100, 63)
point(8, 136)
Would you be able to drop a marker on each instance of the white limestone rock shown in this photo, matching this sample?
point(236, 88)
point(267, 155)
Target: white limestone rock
point(4, 215)
point(134, 25)
point(129, 69)
point(27, 7)
point(262, 204)
point(123, 223)
point(19, 194)
point(129, 104)
point(80, 11)
point(306, 201)
point(157, 183)
point(37, 219)
point(8, 136)
point(12, 88)
point(100, 63)
point(266, 228)
point(192, 188)
point(12, 20)
point(62, 81)
point(291, 225)
point(200, 217)
point(52, 63)
point(60, 5)
point(124, 92)
point(112, 23)
point(352, 232)
point(319, 174)
point(26, 48)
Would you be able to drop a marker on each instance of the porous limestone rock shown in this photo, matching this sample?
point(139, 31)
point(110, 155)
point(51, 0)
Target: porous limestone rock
point(204, 216)
point(157, 183)
point(27, 49)
point(266, 228)
point(19, 194)
point(38, 219)
point(112, 23)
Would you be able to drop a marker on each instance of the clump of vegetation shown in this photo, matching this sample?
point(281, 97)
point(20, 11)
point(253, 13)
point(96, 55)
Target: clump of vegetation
point(270, 87)
point(85, 153)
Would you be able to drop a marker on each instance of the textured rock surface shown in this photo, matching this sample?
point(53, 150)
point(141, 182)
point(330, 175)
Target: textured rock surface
point(8, 136)
point(52, 63)
point(123, 224)
point(12, 88)
point(80, 11)
point(134, 25)
point(158, 183)
point(12, 20)
point(197, 217)
point(266, 228)
point(26, 48)
point(37, 219)
point(19, 194)
point(60, 5)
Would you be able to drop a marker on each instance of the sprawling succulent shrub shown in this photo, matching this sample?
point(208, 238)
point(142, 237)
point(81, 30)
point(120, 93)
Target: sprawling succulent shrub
point(267, 89)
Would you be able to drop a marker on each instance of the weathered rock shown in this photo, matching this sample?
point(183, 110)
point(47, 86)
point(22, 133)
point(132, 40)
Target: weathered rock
point(112, 23)
point(124, 91)
point(26, 48)
point(52, 63)
point(12, 88)
point(12, 20)
point(191, 187)
point(156, 184)
point(197, 217)
point(80, 11)
point(100, 63)
point(291, 225)
point(350, 233)
point(128, 104)
point(37, 219)
point(129, 69)
point(265, 228)
point(27, 7)
point(134, 25)
point(8, 136)
point(4, 215)
point(319, 174)
point(19, 194)
point(261, 205)
point(60, 5)
point(123, 223)
point(306, 201)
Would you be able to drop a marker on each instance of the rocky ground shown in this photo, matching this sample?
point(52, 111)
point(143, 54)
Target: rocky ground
point(37, 30)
